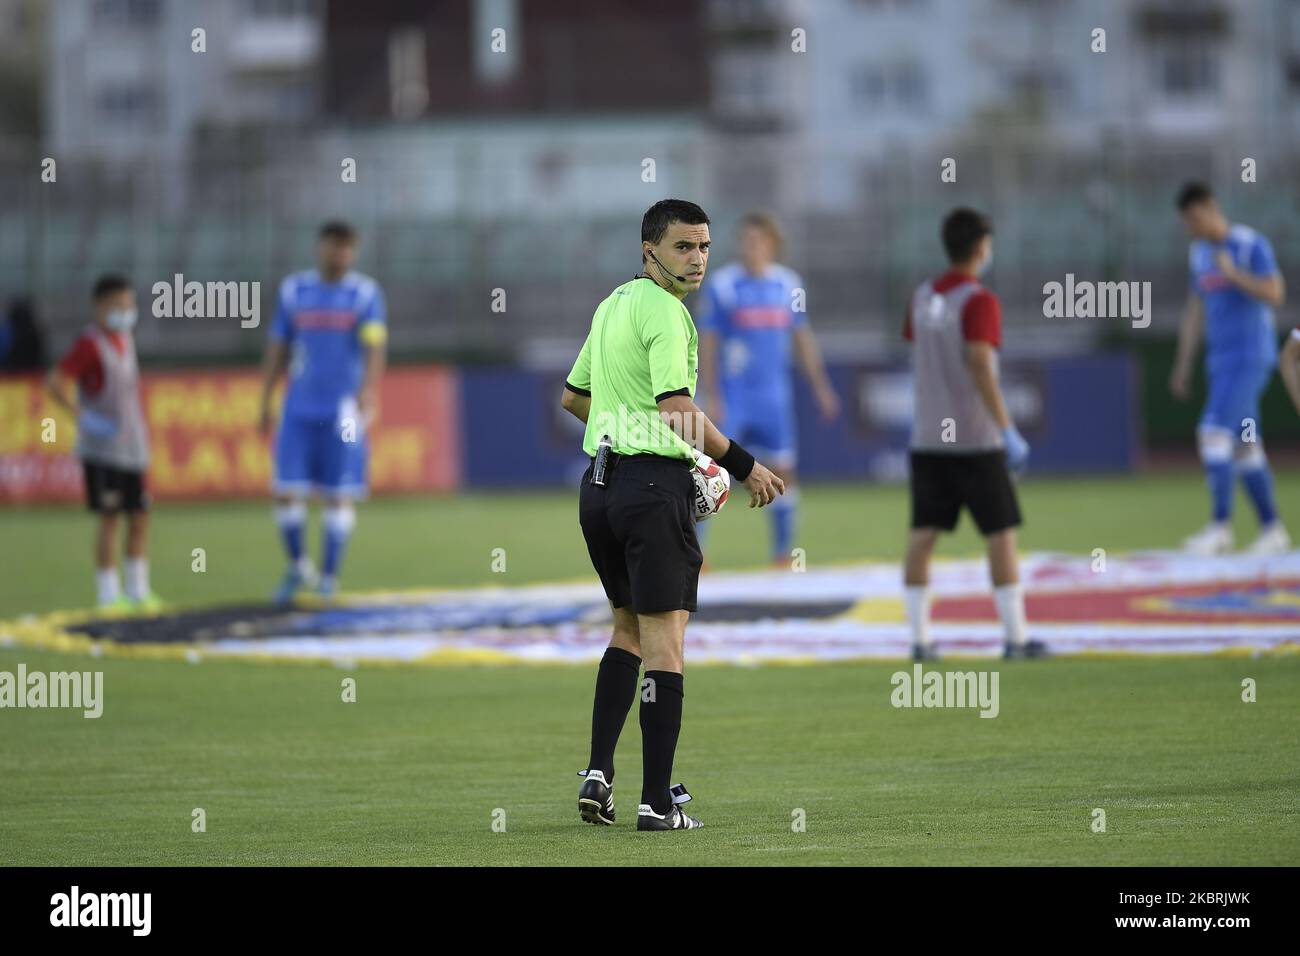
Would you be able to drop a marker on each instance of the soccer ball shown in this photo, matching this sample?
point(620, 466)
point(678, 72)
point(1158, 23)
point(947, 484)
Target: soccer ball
point(712, 485)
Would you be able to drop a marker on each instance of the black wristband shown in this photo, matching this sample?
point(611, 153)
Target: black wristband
point(737, 461)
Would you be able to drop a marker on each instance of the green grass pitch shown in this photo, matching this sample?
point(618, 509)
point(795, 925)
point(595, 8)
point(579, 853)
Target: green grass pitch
point(419, 769)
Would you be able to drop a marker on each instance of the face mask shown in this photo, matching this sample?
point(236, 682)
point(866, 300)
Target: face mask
point(121, 320)
point(984, 266)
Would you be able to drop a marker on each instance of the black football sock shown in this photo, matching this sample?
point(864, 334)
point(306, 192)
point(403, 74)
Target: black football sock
point(661, 722)
point(616, 684)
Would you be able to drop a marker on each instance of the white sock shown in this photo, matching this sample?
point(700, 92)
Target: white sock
point(106, 584)
point(1010, 601)
point(294, 513)
point(136, 573)
point(916, 599)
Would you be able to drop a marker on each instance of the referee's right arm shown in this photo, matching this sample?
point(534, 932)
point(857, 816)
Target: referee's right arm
point(577, 405)
point(576, 399)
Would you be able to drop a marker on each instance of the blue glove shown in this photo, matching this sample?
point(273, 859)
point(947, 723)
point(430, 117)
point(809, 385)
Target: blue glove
point(1017, 450)
point(96, 425)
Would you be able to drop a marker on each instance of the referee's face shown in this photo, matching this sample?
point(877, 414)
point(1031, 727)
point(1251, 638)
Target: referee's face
point(683, 251)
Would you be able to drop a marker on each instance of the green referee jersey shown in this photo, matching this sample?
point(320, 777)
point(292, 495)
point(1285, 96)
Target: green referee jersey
point(641, 348)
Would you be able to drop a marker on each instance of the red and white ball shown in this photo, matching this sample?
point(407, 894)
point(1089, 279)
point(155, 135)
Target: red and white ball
point(712, 486)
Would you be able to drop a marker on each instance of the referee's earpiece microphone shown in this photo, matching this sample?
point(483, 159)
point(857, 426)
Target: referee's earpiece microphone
point(664, 267)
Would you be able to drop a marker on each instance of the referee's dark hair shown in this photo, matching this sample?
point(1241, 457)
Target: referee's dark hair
point(337, 229)
point(962, 231)
point(664, 213)
point(1192, 193)
point(108, 284)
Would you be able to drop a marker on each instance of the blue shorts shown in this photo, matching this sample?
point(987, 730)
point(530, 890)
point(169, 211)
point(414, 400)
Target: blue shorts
point(312, 455)
point(1234, 397)
point(767, 430)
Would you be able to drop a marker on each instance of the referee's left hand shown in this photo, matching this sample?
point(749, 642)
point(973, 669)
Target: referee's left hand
point(763, 486)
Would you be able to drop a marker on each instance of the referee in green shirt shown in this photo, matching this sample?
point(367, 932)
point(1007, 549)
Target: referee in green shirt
point(633, 383)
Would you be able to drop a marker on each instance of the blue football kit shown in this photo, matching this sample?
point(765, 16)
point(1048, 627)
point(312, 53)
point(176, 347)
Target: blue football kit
point(755, 318)
point(1240, 355)
point(322, 444)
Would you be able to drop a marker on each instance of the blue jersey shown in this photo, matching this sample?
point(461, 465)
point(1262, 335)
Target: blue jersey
point(1239, 330)
point(755, 322)
point(326, 326)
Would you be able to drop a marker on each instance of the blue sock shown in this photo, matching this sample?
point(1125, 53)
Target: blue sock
point(784, 512)
point(291, 519)
point(335, 544)
point(1258, 482)
point(336, 529)
point(1219, 476)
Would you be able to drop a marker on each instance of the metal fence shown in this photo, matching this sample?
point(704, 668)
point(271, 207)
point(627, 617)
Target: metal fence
point(550, 214)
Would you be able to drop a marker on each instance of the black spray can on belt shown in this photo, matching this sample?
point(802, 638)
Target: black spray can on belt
point(602, 461)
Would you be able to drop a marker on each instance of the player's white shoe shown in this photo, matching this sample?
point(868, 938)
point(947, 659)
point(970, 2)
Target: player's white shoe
point(1272, 539)
point(1214, 538)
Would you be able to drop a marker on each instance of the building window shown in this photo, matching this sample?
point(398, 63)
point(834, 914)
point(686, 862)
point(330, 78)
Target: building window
point(408, 72)
point(128, 105)
point(882, 6)
point(279, 9)
point(881, 86)
point(1045, 86)
point(1188, 72)
point(744, 85)
point(908, 85)
point(127, 13)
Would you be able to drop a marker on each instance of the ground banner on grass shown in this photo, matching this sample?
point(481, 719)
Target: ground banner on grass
point(1144, 603)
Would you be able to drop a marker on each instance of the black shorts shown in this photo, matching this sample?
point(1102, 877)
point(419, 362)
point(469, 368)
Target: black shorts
point(110, 489)
point(640, 533)
point(942, 482)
